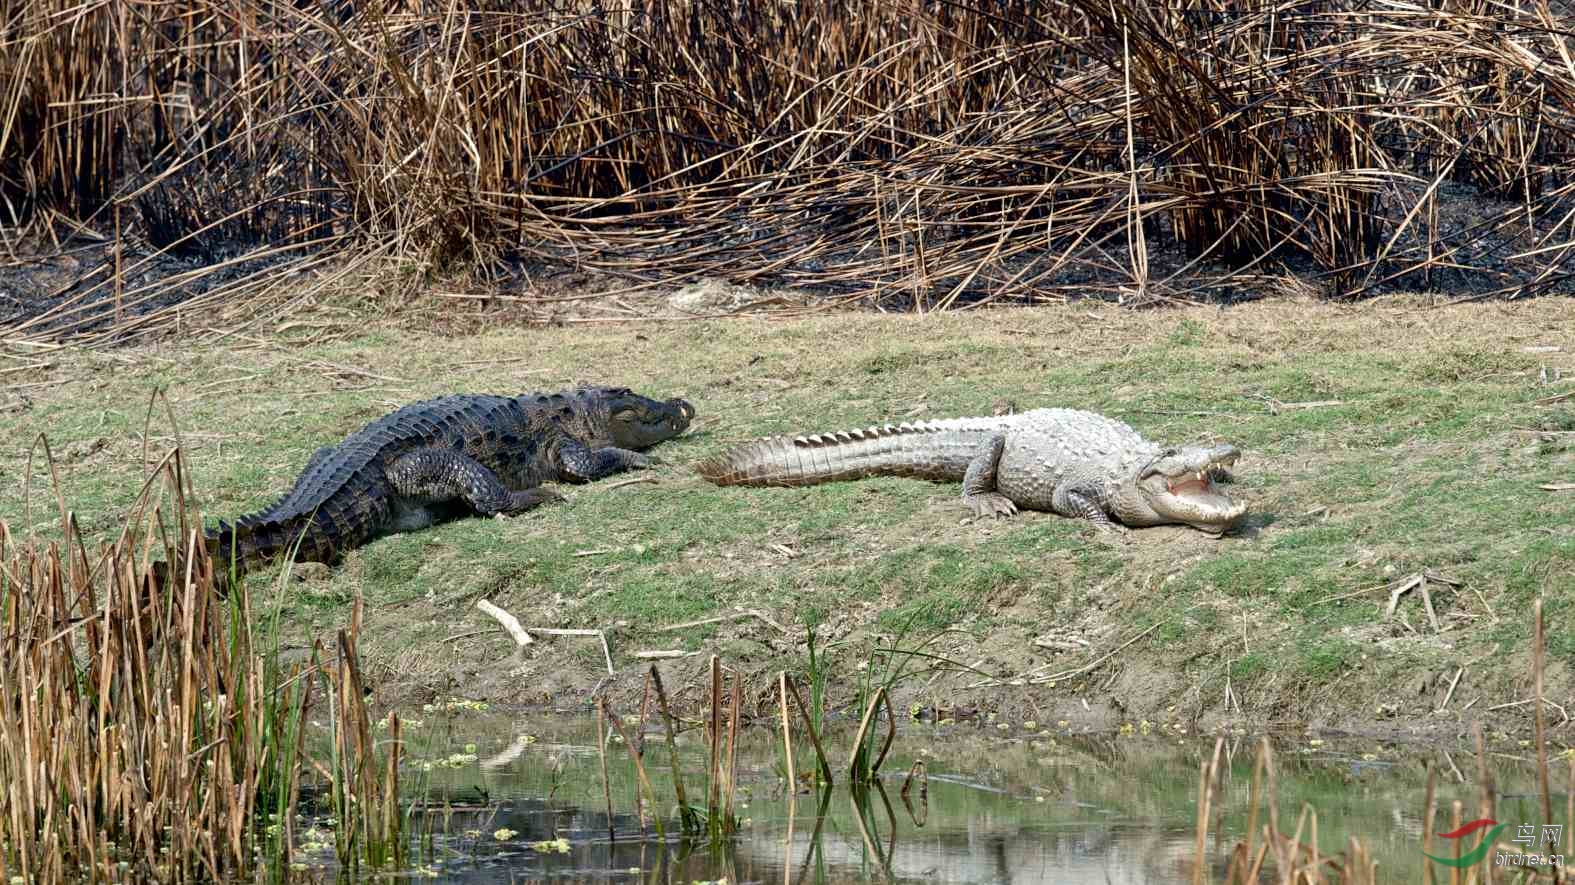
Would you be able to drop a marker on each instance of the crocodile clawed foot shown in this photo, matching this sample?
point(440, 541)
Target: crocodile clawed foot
point(530, 499)
point(642, 461)
point(1113, 534)
point(991, 504)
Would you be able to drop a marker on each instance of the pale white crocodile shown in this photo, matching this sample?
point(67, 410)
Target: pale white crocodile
point(1070, 462)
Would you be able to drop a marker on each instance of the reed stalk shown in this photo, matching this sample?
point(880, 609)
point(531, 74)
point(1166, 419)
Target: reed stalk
point(789, 765)
point(149, 732)
point(689, 821)
point(645, 788)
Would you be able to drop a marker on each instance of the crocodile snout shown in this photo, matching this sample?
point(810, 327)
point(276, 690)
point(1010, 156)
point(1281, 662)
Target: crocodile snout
point(680, 413)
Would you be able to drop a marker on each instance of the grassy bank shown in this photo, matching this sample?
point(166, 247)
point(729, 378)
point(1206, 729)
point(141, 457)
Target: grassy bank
point(1380, 444)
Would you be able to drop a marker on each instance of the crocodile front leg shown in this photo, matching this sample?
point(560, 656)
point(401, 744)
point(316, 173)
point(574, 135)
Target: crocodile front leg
point(979, 482)
point(433, 475)
point(582, 463)
point(1082, 502)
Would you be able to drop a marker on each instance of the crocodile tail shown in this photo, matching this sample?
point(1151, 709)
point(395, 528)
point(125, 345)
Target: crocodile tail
point(228, 549)
point(773, 461)
point(219, 544)
point(924, 451)
point(251, 540)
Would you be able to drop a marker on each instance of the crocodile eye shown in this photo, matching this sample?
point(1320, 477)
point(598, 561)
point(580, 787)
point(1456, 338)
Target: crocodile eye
point(624, 415)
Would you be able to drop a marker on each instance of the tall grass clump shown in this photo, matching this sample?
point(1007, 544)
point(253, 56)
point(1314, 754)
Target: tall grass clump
point(147, 733)
point(138, 729)
point(890, 663)
point(921, 155)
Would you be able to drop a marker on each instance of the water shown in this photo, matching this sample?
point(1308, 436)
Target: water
point(991, 806)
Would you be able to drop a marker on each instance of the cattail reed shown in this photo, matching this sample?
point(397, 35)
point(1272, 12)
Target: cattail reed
point(141, 726)
point(148, 732)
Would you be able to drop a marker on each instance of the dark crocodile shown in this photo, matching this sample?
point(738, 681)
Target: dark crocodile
point(1070, 462)
point(445, 458)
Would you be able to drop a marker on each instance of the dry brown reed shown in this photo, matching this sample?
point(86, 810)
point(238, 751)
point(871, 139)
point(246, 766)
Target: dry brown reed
point(822, 765)
point(145, 733)
point(862, 768)
point(645, 790)
point(717, 818)
point(364, 781)
point(1294, 861)
point(135, 723)
point(919, 155)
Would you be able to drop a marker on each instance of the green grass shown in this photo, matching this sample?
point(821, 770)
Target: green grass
point(1373, 451)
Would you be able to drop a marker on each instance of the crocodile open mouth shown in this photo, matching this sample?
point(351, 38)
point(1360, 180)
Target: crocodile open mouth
point(1194, 484)
point(1199, 489)
point(1179, 486)
point(1196, 499)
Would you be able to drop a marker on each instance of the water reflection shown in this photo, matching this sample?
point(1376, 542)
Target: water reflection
point(809, 845)
point(963, 806)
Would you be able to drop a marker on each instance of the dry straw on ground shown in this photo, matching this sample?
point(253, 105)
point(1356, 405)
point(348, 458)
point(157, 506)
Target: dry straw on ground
point(921, 155)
